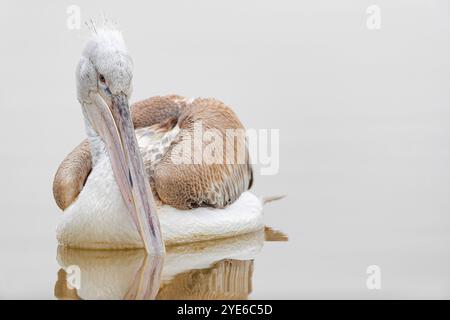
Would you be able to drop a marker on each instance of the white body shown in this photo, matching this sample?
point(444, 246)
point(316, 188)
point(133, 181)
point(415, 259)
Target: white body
point(98, 219)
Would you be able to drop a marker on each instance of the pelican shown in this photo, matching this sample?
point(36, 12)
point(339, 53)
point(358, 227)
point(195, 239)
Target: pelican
point(121, 189)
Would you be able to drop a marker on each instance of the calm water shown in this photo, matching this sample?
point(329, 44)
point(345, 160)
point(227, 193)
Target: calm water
point(364, 120)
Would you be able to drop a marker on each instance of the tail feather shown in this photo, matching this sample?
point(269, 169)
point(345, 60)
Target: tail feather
point(272, 198)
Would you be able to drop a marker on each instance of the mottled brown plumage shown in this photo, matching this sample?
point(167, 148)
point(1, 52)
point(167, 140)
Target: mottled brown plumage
point(182, 186)
point(72, 174)
point(155, 110)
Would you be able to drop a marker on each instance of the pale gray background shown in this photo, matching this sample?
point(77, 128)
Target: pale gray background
point(364, 119)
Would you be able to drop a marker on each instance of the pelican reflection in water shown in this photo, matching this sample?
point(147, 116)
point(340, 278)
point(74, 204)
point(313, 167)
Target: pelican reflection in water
point(216, 269)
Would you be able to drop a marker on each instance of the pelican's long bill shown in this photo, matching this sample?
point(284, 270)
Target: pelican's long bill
point(113, 123)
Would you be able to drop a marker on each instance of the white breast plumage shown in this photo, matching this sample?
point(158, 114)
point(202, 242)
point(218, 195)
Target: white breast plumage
point(98, 218)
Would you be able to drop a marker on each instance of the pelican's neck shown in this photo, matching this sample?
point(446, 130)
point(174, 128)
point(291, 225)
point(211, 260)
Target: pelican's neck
point(98, 147)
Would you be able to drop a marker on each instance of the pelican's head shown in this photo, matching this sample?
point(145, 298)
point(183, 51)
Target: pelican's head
point(104, 76)
point(105, 67)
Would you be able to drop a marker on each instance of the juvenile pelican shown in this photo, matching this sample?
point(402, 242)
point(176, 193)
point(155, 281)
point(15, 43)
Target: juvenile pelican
point(102, 186)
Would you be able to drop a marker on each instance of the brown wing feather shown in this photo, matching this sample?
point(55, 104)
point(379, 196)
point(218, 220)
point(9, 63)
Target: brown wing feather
point(72, 174)
point(182, 186)
point(155, 110)
point(186, 186)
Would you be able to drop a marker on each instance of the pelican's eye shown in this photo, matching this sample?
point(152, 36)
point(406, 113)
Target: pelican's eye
point(101, 78)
